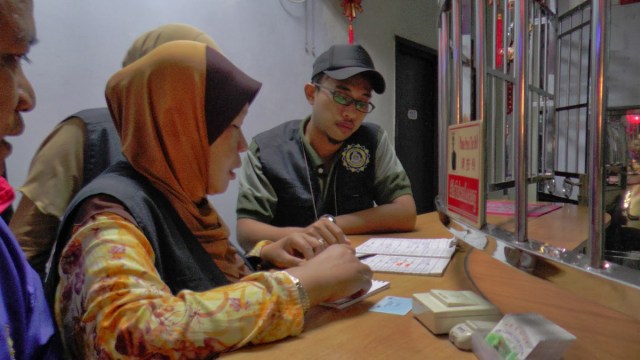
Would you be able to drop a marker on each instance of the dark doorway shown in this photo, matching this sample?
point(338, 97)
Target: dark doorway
point(417, 119)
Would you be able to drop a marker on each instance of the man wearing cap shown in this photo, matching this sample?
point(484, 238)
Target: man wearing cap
point(329, 174)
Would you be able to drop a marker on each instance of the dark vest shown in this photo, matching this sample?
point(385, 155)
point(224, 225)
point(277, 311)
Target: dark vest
point(179, 258)
point(102, 143)
point(283, 163)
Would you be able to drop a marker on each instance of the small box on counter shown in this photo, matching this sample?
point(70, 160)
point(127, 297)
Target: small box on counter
point(441, 310)
point(528, 336)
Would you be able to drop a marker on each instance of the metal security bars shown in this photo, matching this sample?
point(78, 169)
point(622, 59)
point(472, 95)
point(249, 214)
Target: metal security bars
point(537, 82)
point(570, 159)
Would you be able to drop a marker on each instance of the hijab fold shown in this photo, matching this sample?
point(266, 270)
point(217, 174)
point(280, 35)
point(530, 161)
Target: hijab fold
point(164, 34)
point(158, 107)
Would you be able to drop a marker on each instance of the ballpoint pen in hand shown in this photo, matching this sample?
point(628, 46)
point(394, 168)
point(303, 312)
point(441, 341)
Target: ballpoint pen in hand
point(365, 256)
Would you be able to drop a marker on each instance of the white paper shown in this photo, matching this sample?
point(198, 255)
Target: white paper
point(442, 248)
point(376, 287)
point(407, 264)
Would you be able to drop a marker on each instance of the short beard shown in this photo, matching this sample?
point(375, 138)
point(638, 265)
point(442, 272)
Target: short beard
point(334, 141)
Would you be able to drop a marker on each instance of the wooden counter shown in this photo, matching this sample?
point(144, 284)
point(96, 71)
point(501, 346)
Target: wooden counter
point(356, 333)
point(567, 227)
point(602, 333)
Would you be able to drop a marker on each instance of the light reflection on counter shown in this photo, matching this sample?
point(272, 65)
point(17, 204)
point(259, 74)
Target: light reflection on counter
point(613, 285)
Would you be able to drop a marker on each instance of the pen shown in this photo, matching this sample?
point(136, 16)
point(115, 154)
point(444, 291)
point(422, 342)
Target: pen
point(365, 256)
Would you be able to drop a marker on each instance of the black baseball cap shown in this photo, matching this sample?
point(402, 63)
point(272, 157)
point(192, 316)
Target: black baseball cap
point(342, 61)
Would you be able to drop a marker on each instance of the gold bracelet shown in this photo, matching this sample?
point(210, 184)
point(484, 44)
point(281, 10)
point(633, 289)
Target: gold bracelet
point(302, 293)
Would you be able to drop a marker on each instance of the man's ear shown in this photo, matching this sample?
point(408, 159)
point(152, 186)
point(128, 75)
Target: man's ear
point(310, 93)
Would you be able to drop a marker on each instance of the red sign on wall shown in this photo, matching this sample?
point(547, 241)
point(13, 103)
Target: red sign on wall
point(464, 195)
point(465, 182)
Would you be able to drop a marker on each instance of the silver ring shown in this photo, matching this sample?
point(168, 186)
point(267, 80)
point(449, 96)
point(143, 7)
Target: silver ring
point(329, 217)
point(322, 242)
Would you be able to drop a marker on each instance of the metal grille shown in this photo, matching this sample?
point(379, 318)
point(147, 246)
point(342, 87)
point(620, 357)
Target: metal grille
point(570, 144)
point(500, 80)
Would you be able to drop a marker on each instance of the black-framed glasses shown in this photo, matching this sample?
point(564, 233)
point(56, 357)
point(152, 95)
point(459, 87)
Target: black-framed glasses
point(346, 100)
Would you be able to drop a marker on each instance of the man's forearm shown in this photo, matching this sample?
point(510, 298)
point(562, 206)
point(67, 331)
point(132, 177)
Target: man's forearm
point(397, 216)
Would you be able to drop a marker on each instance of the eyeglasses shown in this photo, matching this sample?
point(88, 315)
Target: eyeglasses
point(346, 100)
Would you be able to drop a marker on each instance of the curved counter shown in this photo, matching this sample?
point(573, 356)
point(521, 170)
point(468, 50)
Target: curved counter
point(355, 332)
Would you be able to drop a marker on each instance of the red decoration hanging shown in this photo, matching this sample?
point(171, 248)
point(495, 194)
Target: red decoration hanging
point(350, 8)
point(499, 39)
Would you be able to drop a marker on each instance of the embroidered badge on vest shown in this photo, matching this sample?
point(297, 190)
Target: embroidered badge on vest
point(355, 157)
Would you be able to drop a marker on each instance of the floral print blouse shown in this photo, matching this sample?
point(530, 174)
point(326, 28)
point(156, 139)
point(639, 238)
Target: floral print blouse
point(111, 302)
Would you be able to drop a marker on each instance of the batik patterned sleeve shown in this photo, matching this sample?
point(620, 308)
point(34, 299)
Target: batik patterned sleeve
point(112, 303)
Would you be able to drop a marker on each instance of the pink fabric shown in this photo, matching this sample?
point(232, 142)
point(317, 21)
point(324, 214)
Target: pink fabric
point(6, 194)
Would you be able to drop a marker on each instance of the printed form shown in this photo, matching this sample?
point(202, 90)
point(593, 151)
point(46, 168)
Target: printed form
point(412, 256)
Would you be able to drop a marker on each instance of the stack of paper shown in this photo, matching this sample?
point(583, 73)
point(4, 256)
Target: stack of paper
point(413, 256)
point(376, 287)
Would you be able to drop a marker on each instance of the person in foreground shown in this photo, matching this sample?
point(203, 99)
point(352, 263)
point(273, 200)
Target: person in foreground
point(330, 163)
point(145, 267)
point(73, 154)
point(27, 330)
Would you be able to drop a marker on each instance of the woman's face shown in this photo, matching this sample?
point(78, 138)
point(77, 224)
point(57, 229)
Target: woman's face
point(16, 95)
point(224, 154)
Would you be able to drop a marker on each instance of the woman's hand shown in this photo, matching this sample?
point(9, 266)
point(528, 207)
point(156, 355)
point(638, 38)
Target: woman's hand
point(334, 274)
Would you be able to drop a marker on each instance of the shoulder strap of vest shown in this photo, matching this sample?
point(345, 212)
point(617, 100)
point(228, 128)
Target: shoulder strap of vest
point(102, 143)
point(93, 115)
point(283, 132)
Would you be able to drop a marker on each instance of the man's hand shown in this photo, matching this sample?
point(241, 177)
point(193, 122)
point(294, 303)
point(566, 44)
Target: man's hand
point(293, 250)
point(328, 231)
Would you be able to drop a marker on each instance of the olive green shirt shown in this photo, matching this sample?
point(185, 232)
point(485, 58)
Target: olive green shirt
point(257, 199)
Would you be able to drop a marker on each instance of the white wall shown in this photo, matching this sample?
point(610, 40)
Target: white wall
point(82, 42)
point(624, 56)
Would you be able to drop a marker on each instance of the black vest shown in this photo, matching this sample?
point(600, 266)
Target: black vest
point(101, 147)
point(179, 258)
point(102, 143)
point(283, 163)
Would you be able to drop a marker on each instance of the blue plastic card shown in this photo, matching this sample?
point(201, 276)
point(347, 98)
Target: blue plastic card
point(393, 305)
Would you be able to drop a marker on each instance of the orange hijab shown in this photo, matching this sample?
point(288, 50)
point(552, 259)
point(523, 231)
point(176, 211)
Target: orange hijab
point(168, 108)
point(164, 34)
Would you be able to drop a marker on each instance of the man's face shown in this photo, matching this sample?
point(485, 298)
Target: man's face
point(17, 34)
point(338, 122)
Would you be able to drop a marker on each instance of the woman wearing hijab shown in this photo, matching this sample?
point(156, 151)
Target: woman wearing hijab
point(136, 276)
point(76, 151)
